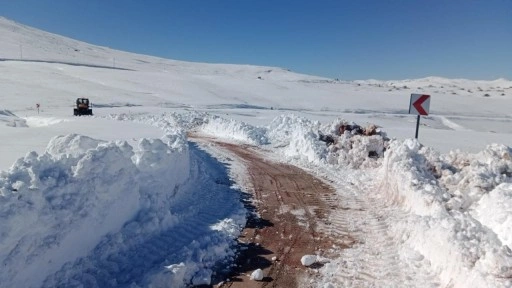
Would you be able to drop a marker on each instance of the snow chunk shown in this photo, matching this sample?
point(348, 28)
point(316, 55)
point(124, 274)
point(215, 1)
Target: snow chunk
point(257, 275)
point(297, 137)
point(308, 260)
point(229, 226)
point(175, 268)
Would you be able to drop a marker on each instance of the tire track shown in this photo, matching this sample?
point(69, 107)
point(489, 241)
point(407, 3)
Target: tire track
point(373, 259)
point(290, 202)
point(351, 225)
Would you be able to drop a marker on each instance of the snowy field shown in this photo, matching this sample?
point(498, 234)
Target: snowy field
point(123, 199)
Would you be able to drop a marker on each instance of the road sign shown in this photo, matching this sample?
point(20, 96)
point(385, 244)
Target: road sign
point(420, 104)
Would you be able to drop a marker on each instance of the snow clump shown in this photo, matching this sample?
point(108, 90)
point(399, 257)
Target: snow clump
point(257, 275)
point(296, 138)
point(308, 260)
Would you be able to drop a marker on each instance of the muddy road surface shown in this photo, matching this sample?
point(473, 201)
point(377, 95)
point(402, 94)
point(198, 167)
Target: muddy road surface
point(288, 206)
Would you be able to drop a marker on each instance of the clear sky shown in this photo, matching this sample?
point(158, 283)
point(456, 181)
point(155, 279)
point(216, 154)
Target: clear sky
point(360, 39)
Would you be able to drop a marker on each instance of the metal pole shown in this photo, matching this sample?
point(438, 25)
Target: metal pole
point(417, 126)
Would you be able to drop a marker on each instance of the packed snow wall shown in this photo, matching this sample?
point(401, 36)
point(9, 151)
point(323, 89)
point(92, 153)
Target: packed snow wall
point(56, 207)
point(416, 179)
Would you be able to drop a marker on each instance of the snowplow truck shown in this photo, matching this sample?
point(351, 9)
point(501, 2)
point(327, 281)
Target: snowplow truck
point(82, 107)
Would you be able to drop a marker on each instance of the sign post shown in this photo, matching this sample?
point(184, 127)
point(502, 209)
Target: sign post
point(419, 105)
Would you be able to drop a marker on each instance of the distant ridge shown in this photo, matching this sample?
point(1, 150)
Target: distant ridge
point(22, 42)
point(66, 63)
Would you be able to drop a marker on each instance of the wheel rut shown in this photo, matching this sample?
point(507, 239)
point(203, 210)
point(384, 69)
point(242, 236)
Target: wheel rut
point(296, 213)
point(288, 204)
point(374, 258)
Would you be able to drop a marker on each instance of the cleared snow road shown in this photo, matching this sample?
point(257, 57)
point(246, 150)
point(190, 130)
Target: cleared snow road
point(298, 214)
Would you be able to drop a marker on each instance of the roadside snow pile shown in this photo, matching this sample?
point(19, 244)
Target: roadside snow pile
point(494, 210)
point(362, 147)
point(481, 184)
point(298, 140)
point(103, 214)
point(175, 123)
point(357, 151)
point(56, 207)
point(294, 137)
point(466, 253)
point(168, 122)
point(210, 216)
point(468, 177)
point(224, 128)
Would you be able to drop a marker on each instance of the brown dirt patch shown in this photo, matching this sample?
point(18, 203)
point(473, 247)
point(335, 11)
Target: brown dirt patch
point(290, 204)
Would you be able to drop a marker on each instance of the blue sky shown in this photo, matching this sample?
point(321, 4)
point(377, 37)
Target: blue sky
point(394, 39)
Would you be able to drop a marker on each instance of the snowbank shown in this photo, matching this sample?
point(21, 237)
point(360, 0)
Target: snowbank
point(494, 210)
point(297, 139)
point(85, 208)
point(170, 123)
point(55, 207)
point(235, 130)
point(466, 253)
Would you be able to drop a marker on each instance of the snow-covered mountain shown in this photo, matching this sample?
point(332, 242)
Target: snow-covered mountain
point(123, 195)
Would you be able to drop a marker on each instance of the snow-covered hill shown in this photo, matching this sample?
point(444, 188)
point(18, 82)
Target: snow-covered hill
point(161, 82)
point(56, 70)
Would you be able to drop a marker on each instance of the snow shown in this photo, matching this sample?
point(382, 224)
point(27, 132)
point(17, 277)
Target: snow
point(308, 260)
point(464, 250)
point(257, 275)
point(494, 210)
point(123, 198)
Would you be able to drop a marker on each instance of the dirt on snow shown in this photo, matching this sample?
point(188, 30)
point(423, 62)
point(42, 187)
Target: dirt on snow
point(289, 205)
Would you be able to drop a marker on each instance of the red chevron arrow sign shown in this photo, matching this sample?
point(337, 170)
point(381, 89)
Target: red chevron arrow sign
point(420, 104)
